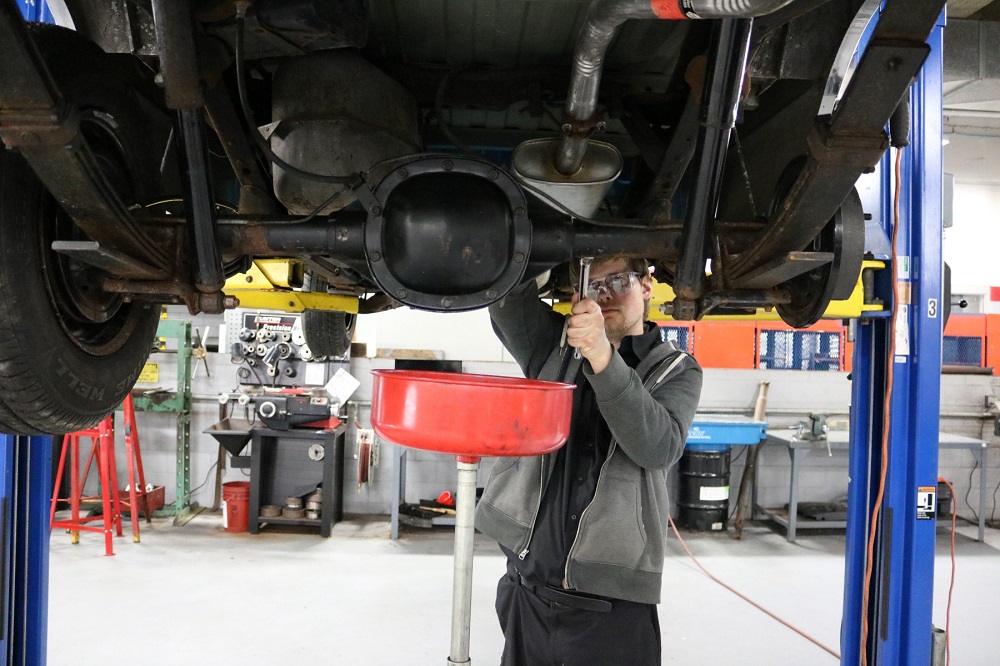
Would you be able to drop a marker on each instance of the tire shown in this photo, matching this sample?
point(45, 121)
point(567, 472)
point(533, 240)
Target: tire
point(69, 352)
point(328, 332)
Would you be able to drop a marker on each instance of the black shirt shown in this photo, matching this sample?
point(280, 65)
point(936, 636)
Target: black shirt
point(576, 468)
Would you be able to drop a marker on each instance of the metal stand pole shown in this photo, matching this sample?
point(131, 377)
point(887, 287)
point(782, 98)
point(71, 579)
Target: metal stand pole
point(461, 601)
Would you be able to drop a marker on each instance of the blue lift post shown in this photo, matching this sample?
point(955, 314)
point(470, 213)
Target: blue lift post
point(900, 599)
point(25, 493)
point(35, 10)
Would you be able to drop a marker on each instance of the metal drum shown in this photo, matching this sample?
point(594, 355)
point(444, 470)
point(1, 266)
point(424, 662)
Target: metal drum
point(703, 496)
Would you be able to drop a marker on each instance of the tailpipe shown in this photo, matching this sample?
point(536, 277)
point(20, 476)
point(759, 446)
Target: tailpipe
point(604, 18)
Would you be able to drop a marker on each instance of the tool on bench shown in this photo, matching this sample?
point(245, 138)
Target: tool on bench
point(285, 410)
point(200, 352)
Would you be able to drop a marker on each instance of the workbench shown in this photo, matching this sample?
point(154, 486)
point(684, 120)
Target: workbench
point(398, 494)
point(283, 464)
point(798, 449)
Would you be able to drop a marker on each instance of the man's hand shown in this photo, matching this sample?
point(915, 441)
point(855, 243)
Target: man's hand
point(585, 331)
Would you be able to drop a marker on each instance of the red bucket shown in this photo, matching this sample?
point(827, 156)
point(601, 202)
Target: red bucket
point(236, 506)
point(471, 415)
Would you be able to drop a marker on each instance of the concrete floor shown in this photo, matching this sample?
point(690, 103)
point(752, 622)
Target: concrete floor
point(199, 595)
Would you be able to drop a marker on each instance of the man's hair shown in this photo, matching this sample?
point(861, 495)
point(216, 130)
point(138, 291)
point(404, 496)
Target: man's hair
point(634, 264)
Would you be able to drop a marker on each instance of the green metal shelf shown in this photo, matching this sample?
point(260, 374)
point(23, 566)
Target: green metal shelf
point(176, 401)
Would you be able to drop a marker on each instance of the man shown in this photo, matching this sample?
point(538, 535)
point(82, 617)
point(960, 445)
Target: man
point(584, 529)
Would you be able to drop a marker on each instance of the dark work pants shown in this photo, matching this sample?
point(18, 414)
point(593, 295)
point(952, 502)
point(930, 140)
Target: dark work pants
point(540, 632)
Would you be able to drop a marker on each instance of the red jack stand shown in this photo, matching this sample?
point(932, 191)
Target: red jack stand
point(103, 450)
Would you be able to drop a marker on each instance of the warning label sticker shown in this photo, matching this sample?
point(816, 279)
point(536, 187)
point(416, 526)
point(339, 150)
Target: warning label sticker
point(150, 373)
point(926, 502)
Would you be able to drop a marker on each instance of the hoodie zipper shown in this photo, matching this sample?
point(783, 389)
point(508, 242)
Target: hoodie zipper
point(583, 516)
point(600, 476)
point(541, 483)
point(534, 518)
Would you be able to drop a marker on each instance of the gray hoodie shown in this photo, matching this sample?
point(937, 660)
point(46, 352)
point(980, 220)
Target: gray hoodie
point(619, 548)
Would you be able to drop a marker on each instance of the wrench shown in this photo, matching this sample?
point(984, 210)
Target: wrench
point(582, 287)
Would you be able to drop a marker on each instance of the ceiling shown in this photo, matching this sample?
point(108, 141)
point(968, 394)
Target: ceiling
point(972, 91)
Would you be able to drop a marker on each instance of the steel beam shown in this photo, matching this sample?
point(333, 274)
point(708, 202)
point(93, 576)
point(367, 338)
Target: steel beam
point(730, 51)
point(209, 275)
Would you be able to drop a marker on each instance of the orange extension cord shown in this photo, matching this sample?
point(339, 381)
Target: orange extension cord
point(951, 585)
point(748, 599)
point(886, 405)
point(876, 509)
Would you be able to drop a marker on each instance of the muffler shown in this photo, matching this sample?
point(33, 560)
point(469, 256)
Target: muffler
point(581, 192)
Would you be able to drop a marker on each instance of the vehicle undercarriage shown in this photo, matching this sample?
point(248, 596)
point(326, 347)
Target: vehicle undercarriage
point(430, 154)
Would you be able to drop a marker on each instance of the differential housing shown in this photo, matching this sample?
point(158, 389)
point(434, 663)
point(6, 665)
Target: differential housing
point(447, 233)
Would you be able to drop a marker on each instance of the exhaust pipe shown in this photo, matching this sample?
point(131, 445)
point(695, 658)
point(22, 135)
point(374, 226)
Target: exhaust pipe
point(604, 18)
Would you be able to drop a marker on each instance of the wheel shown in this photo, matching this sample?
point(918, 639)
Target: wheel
point(328, 332)
point(844, 236)
point(69, 352)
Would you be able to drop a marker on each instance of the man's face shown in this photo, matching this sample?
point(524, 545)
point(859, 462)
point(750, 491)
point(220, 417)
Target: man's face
point(624, 311)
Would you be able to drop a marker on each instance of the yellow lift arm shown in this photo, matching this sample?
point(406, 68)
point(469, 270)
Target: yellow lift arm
point(276, 284)
point(850, 308)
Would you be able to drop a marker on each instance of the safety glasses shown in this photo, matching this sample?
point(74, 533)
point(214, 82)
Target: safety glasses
point(614, 285)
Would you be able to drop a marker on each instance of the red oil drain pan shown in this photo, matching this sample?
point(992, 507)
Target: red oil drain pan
point(470, 415)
